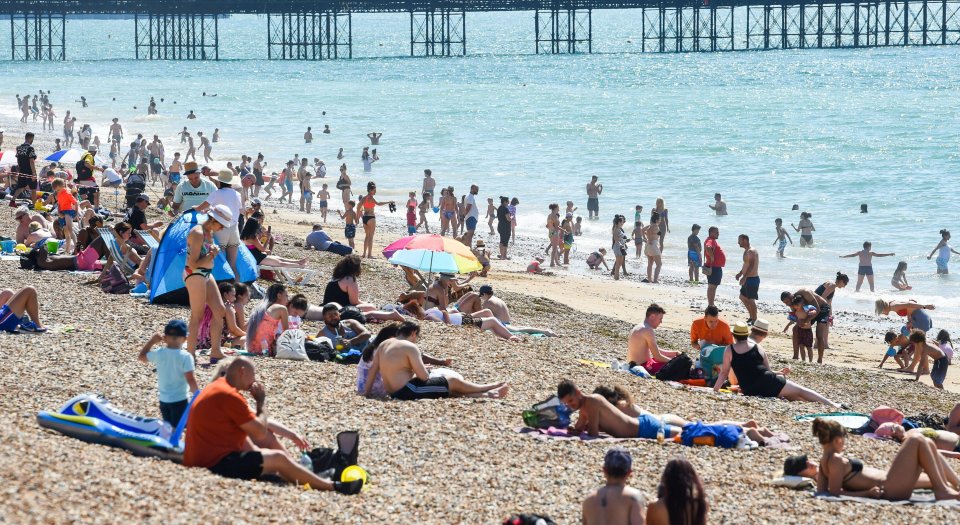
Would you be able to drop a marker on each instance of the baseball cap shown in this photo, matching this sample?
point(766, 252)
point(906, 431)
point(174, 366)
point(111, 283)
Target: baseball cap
point(143, 197)
point(617, 462)
point(486, 289)
point(255, 202)
point(794, 465)
point(176, 328)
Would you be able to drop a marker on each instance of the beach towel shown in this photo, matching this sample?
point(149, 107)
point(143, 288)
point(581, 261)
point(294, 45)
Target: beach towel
point(920, 497)
point(794, 482)
point(850, 420)
point(545, 434)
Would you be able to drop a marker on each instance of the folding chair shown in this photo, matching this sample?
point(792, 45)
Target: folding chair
point(111, 241)
point(294, 276)
point(152, 242)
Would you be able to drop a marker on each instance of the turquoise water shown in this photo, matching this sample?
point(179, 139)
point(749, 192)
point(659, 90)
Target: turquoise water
point(827, 130)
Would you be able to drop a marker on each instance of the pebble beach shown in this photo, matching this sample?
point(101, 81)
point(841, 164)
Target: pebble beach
point(450, 461)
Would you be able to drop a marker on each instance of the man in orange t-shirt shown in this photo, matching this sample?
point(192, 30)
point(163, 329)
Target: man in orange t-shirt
point(220, 427)
point(710, 330)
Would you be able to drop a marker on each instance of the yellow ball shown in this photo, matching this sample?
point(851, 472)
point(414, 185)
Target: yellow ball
point(353, 473)
point(21, 248)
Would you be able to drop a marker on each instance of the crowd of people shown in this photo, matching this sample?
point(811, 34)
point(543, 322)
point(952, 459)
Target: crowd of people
point(228, 437)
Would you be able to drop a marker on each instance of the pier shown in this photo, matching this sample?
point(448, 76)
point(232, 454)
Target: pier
point(323, 29)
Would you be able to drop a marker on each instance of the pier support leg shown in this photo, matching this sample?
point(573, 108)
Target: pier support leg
point(177, 37)
point(563, 30)
point(38, 36)
point(324, 35)
point(438, 32)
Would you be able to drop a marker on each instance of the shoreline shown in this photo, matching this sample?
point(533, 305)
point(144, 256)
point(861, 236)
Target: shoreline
point(856, 338)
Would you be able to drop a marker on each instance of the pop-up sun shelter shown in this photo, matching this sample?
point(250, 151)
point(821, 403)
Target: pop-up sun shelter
point(166, 269)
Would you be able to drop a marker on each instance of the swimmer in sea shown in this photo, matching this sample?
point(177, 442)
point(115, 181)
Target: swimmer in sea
point(865, 269)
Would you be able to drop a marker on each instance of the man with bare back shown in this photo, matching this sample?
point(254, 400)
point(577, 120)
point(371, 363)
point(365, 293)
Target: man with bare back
point(642, 346)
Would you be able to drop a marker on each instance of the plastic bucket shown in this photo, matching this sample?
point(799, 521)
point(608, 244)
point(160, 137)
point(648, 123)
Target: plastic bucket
point(53, 246)
point(7, 246)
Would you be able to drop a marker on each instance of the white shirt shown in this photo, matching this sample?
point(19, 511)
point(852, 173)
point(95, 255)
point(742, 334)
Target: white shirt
point(188, 196)
point(230, 198)
point(112, 176)
point(474, 211)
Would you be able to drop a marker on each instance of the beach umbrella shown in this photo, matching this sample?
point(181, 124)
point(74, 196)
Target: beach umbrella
point(71, 156)
point(7, 158)
point(432, 253)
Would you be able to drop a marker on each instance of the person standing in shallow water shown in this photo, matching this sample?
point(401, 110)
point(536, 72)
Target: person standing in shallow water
point(865, 269)
point(943, 251)
point(806, 229)
point(593, 198)
point(749, 277)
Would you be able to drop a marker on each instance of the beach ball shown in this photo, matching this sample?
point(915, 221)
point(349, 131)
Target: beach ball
point(353, 473)
point(21, 248)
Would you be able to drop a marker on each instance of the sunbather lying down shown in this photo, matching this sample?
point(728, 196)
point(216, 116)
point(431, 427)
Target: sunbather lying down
point(626, 420)
point(948, 443)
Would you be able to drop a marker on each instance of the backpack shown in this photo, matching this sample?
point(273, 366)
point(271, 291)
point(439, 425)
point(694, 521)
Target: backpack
point(113, 281)
point(548, 413)
point(291, 344)
point(699, 433)
point(320, 349)
point(331, 463)
point(677, 369)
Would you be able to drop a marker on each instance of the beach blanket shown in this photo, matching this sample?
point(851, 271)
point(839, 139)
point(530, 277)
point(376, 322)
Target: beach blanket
point(9, 258)
point(794, 482)
point(549, 433)
point(850, 420)
point(920, 497)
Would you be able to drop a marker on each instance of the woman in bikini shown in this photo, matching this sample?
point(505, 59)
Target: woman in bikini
point(554, 233)
point(916, 465)
point(654, 234)
point(806, 229)
point(369, 205)
point(664, 224)
point(619, 247)
point(269, 315)
point(198, 279)
point(343, 184)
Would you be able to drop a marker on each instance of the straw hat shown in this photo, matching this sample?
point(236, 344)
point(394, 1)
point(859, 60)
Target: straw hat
point(189, 167)
point(225, 177)
point(761, 325)
point(741, 329)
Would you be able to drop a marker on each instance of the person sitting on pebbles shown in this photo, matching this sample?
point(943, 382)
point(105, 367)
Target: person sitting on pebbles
point(222, 430)
point(473, 302)
point(13, 306)
point(748, 361)
point(615, 502)
point(405, 377)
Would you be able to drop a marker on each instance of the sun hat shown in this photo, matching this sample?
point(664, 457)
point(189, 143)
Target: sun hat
point(190, 167)
point(761, 325)
point(794, 465)
point(222, 214)
point(176, 328)
point(617, 461)
point(21, 211)
point(741, 329)
point(445, 275)
point(225, 177)
point(480, 243)
point(92, 148)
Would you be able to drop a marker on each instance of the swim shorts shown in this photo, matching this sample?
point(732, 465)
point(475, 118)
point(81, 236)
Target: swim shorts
point(716, 275)
point(693, 257)
point(240, 465)
point(433, 388)
point(411, 230)
point(939, 370)
point(649, 425)
point(653, 366)
point(805, 337)
point(504, 237)
point(471, 223)
point(824, 316)
point(308, 196)
point(781, 245)
point(865, 270)
point(9, 322)
point(173, 412)
point(350, 231)
point(67, 213)
point(751, 288)
point(322, 204)
point(593, 204)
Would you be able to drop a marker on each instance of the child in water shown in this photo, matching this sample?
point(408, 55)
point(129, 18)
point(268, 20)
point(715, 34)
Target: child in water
point(782, 237)
point(491, 214)
point(637, 235)
point(899, 280)
point(567, 227)
point(577, 225)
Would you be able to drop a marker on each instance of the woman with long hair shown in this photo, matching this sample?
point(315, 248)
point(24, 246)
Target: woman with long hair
point(619, 243)
point(664, 214)
point(343, 184)
point(266, 317)
point(944, 249)
point(554, 233)
point(368, 204)
point(250, 236)
point(344, 290)
point(199, 282)
point(681, 499)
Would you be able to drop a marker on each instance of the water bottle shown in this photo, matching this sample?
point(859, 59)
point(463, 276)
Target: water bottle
point(264, 348)
point(306, 462)
point(660, 432)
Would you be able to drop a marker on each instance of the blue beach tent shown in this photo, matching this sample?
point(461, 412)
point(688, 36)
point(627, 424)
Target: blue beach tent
point(166, 268)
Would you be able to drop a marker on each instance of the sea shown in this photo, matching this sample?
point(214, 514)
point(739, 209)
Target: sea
point(775, 132)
